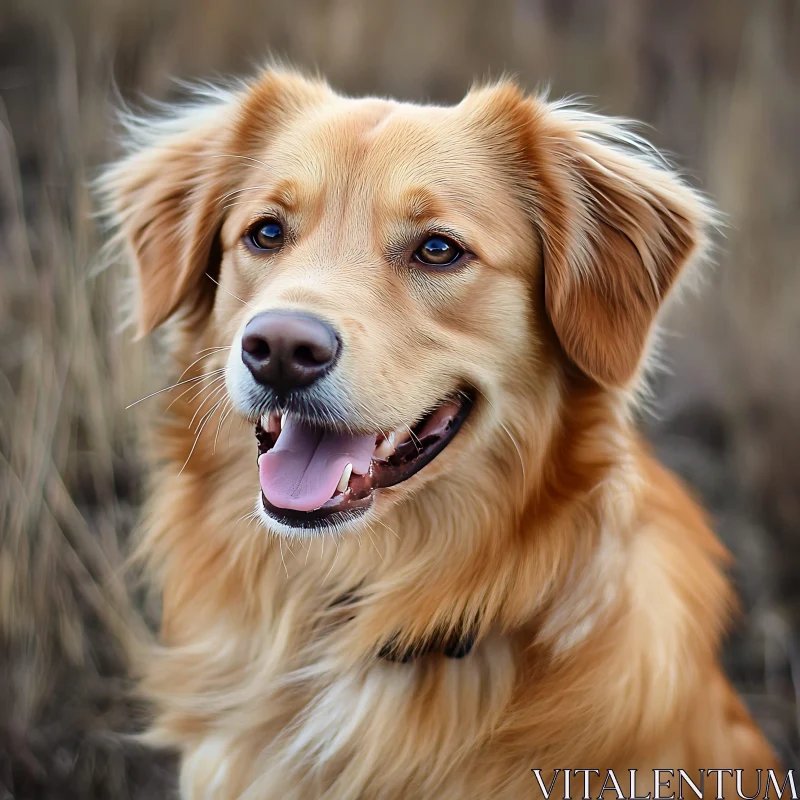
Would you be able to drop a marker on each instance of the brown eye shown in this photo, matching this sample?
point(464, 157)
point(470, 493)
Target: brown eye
point(267, 234)
point(438, 251)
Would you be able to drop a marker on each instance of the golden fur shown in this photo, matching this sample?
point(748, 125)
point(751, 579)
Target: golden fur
point(592, 580)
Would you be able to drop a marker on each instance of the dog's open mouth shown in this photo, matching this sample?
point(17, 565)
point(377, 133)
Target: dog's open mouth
point(314, 476)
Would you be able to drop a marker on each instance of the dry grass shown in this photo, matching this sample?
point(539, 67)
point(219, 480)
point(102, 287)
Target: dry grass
point(719, 81)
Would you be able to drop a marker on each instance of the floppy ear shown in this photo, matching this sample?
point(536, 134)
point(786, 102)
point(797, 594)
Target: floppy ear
point(617, 227)
point(167, 197)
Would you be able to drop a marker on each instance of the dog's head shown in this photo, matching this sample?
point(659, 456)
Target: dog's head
point(405, 291)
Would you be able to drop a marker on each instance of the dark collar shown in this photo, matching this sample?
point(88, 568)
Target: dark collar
point(452, 644)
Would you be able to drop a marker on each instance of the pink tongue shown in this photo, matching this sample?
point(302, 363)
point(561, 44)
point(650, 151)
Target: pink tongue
point(302, 470)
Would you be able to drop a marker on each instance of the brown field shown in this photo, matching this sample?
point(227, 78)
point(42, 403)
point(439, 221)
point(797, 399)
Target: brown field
point(719, 81)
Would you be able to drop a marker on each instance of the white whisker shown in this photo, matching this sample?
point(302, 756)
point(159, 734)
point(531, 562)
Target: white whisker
point(211, 396)
point(514, 442)
point(201, 358)
point(519, 453)
point(238, 191)
point(167, 389)
point(336, 540)
point(226, 410)
point(381, 522)
point(236, 203)
point(236, 297)
point(207, 388)
point(283, 561)
point(372, 540)
point(210, 375)
point(245, 158)
point(194, 444)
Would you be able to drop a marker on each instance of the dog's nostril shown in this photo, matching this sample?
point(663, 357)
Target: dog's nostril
point(304, 356)
point(256, 347)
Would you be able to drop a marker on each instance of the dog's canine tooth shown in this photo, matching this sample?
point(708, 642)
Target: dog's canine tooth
point(401, 435)
point(386, 448)
point(345, 479)
point(273, 424)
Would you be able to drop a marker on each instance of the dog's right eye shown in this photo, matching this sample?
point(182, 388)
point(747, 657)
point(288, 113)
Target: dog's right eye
point(438, 251)
point(265, 235)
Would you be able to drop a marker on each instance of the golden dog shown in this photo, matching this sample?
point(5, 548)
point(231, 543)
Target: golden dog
point(463, 563)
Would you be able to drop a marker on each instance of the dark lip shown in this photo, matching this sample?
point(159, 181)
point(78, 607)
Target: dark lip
point(324, 517)
point(409, 458)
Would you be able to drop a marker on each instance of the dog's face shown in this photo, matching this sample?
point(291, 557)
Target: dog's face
point(403, 289)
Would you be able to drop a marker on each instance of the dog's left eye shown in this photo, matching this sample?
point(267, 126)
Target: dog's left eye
point(438, 251)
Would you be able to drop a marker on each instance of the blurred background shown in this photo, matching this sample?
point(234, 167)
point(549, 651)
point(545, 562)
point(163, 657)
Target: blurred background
point(717, 79)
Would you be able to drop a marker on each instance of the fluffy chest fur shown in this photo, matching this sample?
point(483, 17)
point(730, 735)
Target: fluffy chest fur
point(271, 683)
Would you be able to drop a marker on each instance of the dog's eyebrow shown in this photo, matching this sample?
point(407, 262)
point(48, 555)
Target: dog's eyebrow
point(420, 203)
point(287, 193)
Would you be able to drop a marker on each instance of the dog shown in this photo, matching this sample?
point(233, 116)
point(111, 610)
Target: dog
point(416, 337)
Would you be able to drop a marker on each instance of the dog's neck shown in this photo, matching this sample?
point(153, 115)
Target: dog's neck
point(456, 643)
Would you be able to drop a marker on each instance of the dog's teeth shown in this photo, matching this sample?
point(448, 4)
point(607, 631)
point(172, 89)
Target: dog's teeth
point(273, 424)
point(401, 435)
point(345, 479)
point(386, 448)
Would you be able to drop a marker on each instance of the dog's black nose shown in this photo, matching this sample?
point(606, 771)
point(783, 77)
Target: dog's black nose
point(285, 350)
